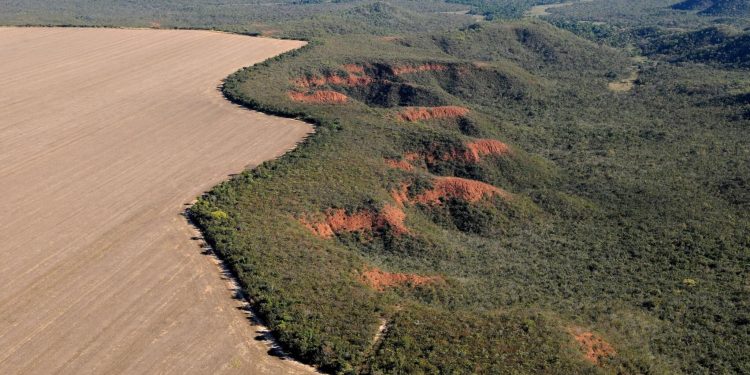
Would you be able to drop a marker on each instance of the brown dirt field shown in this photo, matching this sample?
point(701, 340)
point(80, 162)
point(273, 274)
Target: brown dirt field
point(321, 97)
point(106, 135)
point(460, 188)
point(407, 69)
point(380, 280)
point(415, 114)
point(594, 347)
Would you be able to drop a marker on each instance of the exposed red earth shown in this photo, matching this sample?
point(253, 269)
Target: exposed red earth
point(401, 195)
point(354, 69)
point(474, 152)
point(399, 164)
point(449, 187)
point(381, 280)
point(595, 349)
point(415, 114)
point(338, 221)
point(355, 75)
point(460, 188)
point(321, 97)
point(105, 136)
point(485, 147)
point(317, 81)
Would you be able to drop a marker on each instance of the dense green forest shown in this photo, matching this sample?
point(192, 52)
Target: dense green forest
point(496, 194)
point(715, 7)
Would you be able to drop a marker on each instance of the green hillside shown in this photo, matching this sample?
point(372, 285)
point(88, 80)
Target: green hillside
point(620, 216)
point(737, 8)
point(720, 46)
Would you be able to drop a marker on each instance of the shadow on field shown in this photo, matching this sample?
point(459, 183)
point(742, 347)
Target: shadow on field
point(264, 335)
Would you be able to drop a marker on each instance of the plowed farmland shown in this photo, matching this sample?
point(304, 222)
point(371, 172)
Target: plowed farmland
point(105, 136)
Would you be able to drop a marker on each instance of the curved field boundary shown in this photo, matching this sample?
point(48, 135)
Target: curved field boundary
point(105, 136)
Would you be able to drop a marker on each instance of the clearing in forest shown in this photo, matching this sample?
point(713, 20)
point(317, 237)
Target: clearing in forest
point(541, 10)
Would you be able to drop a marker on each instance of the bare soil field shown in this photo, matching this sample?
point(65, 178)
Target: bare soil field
point(626, 84)
point(105, 136)
point(541, 10)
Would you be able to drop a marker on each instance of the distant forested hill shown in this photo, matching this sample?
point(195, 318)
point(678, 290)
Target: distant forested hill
point(736, 8)
point(722, 46)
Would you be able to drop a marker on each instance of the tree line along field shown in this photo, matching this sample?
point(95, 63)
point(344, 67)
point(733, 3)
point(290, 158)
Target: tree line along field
point(476, 200)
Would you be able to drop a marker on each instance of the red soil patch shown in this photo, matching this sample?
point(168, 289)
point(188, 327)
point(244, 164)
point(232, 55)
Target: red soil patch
point(426, 113)
point(401, 195)
point(394, 217)
point(483, 147)
point(473, 153)
point(406, 69)
point(307, 82)
point(399, 164)
point(354, 69)
point(334, 80)
point(449, 187)
point(338, 221)
point(350, 81)
point(380, 280)
point(411, 156)
point(319, 229)
point(325, 97)
point(594, 347)
point(459, 188)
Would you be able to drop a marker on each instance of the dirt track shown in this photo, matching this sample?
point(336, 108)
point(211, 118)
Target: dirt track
point(105, 135)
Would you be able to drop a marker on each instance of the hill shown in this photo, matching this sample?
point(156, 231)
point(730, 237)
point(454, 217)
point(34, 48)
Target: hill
point(731, 8)
point(720, 46)
point(693, 5)
point(482, 186)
